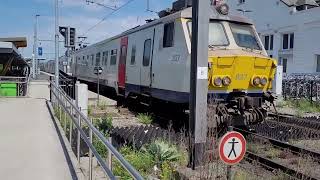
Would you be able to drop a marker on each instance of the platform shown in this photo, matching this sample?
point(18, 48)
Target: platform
point(29, 143)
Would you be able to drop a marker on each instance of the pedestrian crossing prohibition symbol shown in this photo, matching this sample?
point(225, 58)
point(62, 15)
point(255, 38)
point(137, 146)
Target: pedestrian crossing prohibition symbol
point(232, 148)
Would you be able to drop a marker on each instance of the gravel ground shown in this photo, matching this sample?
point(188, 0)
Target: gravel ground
point(122, 117)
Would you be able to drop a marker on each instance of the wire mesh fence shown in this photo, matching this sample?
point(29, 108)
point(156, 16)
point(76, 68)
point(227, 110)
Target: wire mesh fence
point(302, 86)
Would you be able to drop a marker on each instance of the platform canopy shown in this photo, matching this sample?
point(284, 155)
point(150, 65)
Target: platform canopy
point(17, 41)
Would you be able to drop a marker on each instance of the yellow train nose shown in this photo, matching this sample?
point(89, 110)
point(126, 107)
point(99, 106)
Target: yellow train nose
point(241, 73)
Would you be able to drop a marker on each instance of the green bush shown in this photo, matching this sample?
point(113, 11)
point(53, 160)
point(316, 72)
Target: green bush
point(104, 124)
point(166, 171)
point(145, 118)
point(100, 147)
point(141, 161)
point(163, 152)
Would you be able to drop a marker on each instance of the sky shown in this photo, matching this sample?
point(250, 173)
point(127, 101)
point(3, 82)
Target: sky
point(18, 17)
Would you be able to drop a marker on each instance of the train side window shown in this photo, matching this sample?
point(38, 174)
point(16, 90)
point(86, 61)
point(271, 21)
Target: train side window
point(113, 59)
point(92, 57)
point(168, 35)
point(133, 55)
point(83, 60)
point(105, 58)
point(146, 52)
point(98, 57)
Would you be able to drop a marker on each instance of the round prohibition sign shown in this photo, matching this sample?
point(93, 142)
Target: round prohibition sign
point(232, 148)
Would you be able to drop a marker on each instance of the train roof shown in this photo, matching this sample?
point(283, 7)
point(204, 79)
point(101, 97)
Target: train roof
point(185, 13)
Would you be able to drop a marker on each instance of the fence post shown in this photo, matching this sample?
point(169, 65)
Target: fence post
point(70, 131)
point(78, 139)
point(90, 153)
point(110, 155)
point(311, 92)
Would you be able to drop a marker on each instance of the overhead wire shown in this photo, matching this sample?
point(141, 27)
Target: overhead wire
point(107, 16)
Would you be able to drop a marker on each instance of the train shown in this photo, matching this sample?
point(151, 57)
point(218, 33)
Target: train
point(151, 63)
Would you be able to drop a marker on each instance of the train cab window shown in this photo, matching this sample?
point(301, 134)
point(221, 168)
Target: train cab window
point(133, 55)
point(168, 35)
point(146, 52)
point(113, 58)
point(98, 57)
point(244, 36)
point(217, 34)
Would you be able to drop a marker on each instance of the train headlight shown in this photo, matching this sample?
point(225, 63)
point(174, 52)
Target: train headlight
point(256, 81)
point(226, 81)
point(264, 81)
point(217, 81)
point(223, 9)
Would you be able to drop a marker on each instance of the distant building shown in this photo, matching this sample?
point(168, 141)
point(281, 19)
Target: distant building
point(289, 30)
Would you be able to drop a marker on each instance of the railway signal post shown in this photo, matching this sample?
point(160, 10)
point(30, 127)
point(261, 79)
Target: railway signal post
point(199, 80)
point(97, 71)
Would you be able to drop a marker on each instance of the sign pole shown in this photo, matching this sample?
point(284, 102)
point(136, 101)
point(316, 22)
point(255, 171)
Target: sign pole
point(199, 80)
point(98, 89)
point(229, 167)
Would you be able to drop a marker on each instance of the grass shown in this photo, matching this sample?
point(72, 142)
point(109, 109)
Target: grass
point(158, 159)
point(102, 105)
point(302, 106)
point(145, 118)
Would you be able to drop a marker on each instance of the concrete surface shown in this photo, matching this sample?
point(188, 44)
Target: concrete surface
point(29, 145)
point(103, 100)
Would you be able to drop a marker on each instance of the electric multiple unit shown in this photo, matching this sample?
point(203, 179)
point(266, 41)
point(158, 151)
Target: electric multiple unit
point(152, 63)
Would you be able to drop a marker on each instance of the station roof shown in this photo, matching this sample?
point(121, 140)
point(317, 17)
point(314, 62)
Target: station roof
point(17, 41)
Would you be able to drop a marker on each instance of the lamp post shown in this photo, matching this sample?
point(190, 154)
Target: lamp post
point(35, 47)
point(56, 42)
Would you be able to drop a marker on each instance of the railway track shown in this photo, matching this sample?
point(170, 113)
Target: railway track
point(288, 127)
point(272, 164)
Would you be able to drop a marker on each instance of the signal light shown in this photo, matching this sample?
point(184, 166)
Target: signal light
point(72, 37)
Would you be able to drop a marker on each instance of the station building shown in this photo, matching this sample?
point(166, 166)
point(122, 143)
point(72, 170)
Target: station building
point(289, 30)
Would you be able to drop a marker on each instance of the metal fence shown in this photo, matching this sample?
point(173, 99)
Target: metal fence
point(67, 83)
point(79, 128)
point(14, 86)
point(302, 86)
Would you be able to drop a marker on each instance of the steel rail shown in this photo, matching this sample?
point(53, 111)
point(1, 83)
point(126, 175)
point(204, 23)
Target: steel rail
point(284, 145)
point(134, 173)
point(268, 163)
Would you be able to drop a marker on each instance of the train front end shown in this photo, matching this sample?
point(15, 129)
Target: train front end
point(240, 71)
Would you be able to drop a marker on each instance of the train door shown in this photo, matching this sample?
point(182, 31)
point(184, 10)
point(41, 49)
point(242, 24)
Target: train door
point(146, 67)
point(122, 64)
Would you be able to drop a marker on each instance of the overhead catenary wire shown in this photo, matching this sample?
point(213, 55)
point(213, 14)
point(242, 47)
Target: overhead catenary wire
point(107, 16)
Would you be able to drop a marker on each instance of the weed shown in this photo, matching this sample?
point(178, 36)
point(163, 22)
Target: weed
point(142, 161)
point(100, 147)
point(104, 124)
point(163, 152)
point(304, 105)
point(167, 171)
point(102, 105)
point(90, 110)
point(145, 118)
